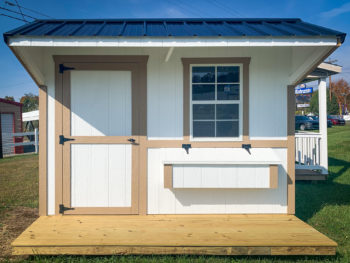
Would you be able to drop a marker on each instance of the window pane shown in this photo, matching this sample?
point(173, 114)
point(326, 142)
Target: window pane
point(227, 129)
point(203, 111)
point(203, 129)
point(203, 92)
point(203, 74)
point(227, 111)
point(228, 92)
point(228, 74)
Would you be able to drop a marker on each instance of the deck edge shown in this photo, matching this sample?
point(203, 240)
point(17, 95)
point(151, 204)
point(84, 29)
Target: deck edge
point(159, 250)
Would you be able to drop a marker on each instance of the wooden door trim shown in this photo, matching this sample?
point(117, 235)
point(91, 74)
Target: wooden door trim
point(291, 150)
point(67, 194)
point(135, 64)
point(43, 151)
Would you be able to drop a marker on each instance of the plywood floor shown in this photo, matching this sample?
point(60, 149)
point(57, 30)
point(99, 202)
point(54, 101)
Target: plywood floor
point(173, 234)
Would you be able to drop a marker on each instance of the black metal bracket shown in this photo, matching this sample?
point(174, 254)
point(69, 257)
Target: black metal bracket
point(131, 140)
point(64, 208)
point(187, 147)
point(63, 68)
point(247, 147)
point(63, 139)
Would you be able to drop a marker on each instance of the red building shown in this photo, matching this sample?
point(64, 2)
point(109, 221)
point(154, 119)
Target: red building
point(10, 122)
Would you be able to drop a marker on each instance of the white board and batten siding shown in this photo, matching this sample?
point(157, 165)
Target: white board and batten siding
point(267, 120)
point(100, 103)
point(101, 106)
point(219, 200)
point(199, 176)
point(101, 175)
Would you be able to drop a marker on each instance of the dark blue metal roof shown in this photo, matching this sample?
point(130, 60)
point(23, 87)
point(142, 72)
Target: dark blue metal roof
point(252, 27)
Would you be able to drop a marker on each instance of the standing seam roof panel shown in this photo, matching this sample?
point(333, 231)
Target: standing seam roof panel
point(111, 29)
point(67, 29)
point(89, 29)
point(156, 29)
point(211, 27)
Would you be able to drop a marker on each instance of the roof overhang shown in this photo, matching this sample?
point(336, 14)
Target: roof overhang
point(29, 41)
point(323, 70)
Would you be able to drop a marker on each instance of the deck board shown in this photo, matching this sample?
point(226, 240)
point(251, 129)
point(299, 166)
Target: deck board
point(173, 234)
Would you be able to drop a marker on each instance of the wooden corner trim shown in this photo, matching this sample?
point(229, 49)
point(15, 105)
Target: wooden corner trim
point(245, 61)
point(274, 176)
point(43, 151)
point(168, 176)
point(290, 150)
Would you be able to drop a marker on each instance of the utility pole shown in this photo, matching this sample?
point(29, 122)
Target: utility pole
point(330, 88)
point(1, 153)
point(331, 61)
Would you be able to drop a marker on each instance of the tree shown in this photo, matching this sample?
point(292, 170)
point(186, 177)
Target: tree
point(341, 90)
point(30, 102)
point(10, 98)
point(332, 106)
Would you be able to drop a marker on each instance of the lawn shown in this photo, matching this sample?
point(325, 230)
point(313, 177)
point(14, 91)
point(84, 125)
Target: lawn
point(324, 205)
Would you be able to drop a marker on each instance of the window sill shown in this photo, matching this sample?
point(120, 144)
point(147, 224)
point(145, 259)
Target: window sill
point(212, 139)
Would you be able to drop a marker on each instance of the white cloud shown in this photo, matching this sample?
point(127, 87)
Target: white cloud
point(345, 8)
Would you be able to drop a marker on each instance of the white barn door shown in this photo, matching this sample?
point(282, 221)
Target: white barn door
point(7, 128)
point(100, 139)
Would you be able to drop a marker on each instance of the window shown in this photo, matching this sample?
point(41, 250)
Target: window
point(216, 101)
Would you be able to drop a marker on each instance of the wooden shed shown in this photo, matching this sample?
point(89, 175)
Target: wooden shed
point(169, 136)
point(10, 122)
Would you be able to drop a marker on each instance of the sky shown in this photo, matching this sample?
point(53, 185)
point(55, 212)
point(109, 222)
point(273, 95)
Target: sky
point(15, 81)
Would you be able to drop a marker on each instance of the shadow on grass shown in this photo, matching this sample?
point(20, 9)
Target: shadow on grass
point(311, 197)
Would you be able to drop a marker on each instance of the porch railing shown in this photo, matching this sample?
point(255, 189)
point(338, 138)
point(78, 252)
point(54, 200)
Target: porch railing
point(308, 150)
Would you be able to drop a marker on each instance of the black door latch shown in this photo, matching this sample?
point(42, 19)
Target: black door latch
point(63, 68)
point(187, 147)
point(64, 139)
point(247, 147)
point(131, 140)
point(63, 208)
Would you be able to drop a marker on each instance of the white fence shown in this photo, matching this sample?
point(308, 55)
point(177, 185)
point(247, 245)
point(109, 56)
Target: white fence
point(308, 150)
point(8, 145)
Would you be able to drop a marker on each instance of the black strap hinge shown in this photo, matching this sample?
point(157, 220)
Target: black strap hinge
point(64, 208)
point(247, 147)
point(187, 147)
point(64, 139)
point(63, 68)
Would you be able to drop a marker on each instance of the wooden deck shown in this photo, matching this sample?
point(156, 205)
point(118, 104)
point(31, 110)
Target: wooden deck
point(173, 234)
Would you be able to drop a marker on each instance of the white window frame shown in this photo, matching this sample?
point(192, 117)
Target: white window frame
point(216, 102)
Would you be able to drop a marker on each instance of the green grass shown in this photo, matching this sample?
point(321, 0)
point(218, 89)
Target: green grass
point(18, 182)
point(324, 205)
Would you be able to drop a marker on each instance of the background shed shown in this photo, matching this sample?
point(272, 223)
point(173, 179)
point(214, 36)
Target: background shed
point(10, 122)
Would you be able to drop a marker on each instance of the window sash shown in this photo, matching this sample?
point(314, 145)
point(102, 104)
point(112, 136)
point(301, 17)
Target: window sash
point(217, 102)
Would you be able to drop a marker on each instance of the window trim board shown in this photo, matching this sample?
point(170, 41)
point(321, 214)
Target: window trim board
point(187, 62)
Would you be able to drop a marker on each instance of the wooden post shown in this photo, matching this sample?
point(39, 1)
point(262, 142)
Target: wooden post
point(36, 140)
point(1, 153)
point(322, 104)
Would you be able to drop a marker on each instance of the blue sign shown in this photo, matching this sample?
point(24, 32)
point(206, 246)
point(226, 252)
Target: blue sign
point(303, 90)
